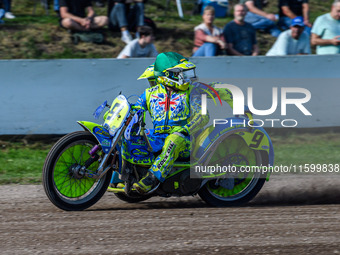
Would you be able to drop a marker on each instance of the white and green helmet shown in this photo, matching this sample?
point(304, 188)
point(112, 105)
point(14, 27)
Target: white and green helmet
point(174, 70)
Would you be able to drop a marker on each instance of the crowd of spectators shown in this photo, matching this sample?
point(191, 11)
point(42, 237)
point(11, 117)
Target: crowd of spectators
point(291, 26)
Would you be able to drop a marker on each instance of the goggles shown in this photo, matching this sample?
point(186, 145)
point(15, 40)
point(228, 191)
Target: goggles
point(181, 76)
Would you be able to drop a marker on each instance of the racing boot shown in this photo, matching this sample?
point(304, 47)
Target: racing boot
point(146, 184)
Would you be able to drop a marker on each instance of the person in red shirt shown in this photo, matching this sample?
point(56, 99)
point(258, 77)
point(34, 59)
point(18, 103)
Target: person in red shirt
point(208, 38)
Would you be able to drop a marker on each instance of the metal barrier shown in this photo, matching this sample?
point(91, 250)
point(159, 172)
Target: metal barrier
point(49, 96)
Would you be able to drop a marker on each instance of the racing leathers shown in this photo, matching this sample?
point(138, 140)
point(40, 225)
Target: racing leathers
point(174, 116)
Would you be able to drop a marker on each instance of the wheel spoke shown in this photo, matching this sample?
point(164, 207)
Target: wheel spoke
point(66, 183)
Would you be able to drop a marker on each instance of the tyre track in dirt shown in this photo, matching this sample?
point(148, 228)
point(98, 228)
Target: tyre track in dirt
point(291, 215)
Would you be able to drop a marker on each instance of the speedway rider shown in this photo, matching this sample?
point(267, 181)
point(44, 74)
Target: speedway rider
point(173, 115)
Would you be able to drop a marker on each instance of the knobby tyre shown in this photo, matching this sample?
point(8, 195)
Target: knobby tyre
point(234, 151)
point(62, 187)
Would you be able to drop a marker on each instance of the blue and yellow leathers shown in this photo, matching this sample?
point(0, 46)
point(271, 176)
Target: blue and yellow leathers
point(174, 116)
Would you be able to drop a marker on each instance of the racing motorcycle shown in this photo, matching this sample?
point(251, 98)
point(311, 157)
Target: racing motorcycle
point(83, 165)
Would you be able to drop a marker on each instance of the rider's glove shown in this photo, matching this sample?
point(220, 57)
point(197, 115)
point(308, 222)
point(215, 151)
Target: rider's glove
point(182, 130)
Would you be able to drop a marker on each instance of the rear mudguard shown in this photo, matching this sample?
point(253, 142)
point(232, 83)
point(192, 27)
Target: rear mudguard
point(255, 137)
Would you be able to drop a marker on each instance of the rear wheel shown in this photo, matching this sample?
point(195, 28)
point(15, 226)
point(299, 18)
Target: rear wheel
point(239, 188)
point(64, 186)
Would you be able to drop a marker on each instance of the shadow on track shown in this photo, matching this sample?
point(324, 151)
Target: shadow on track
point(278, 192)
point(155, 205)
point(314, 195)
point(266, 199)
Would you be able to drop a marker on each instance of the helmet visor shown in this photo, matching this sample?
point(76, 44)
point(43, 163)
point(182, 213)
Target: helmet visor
point(189, 74)
point(182, 75)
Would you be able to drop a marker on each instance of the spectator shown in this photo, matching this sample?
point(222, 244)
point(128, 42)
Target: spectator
point(260, 19)
point(293, 41)
point(290, 9)
point(73, 15)
point(2, 14)
point(56, 6)
point(208, 38)
point(7, 6)
point(326, 31)
point(140, 47)
point(119, 18)
point(240, 35)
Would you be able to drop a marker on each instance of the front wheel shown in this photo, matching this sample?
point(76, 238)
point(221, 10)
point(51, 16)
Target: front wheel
point(239, 189)
point(66, 189)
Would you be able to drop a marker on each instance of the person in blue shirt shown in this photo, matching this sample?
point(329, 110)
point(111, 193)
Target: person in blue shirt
point(2, 13)
point(7, 6)
point(260, 19)
point(239, 35)
point(326, 31)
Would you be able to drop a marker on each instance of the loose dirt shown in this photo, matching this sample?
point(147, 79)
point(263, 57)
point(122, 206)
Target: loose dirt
point(291, 215)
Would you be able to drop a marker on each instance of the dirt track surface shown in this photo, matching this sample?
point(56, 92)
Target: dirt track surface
point(289, 216)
